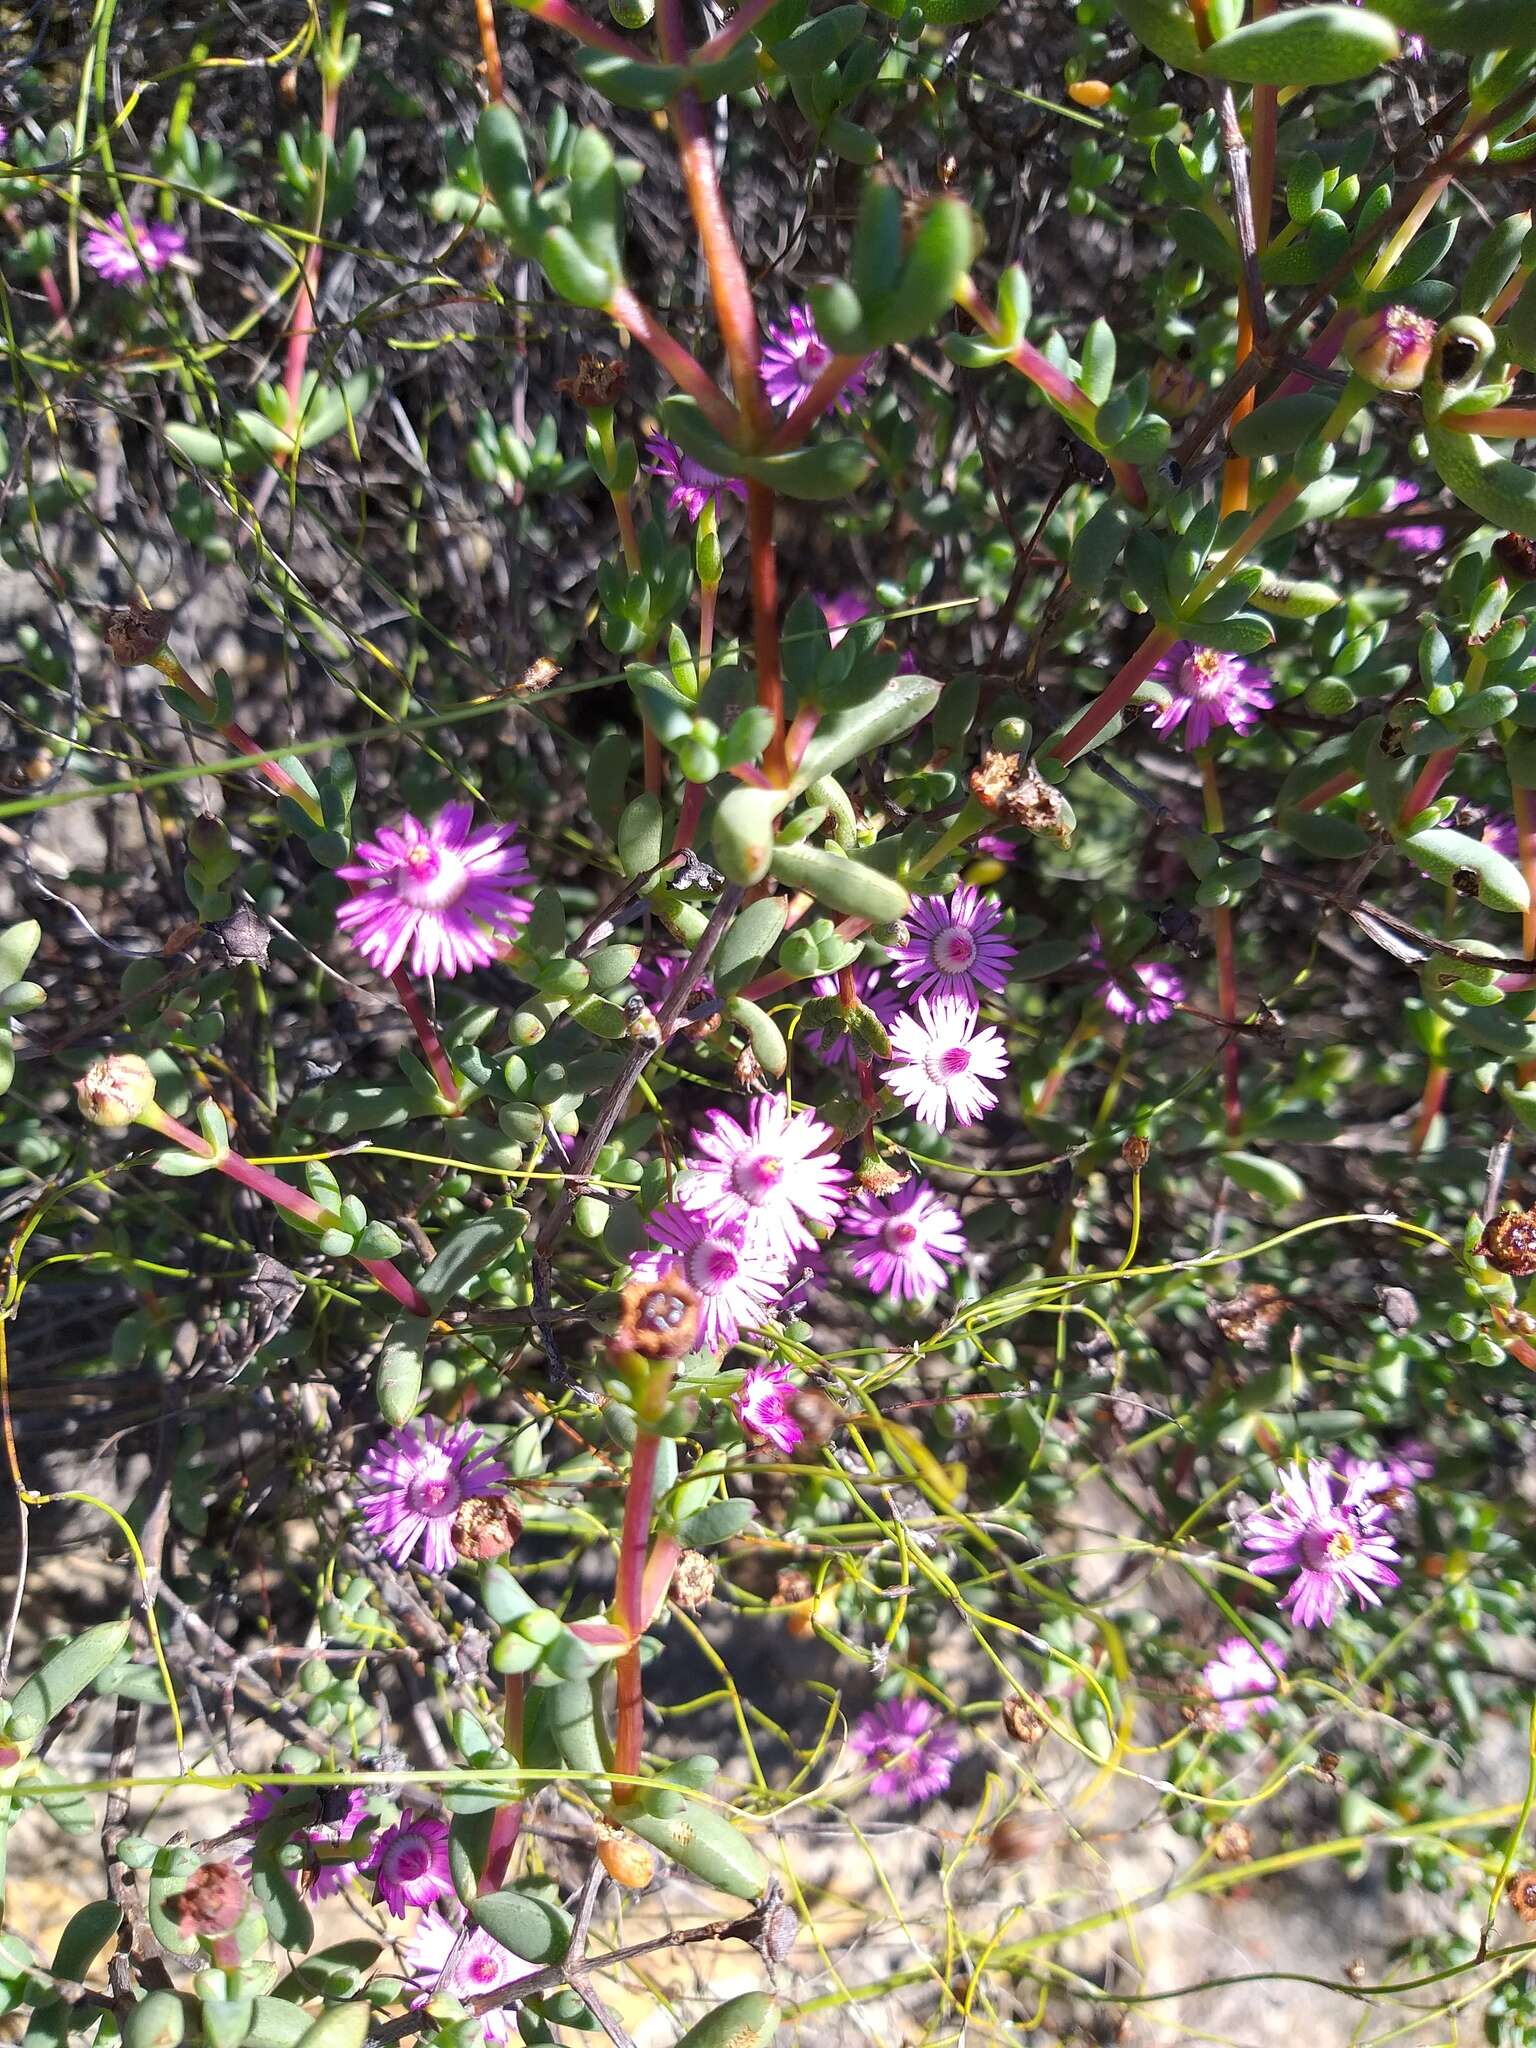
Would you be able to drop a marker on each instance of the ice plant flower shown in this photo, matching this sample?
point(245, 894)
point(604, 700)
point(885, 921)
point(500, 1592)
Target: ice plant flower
point(911, 1239)
point(842, 611)
point(1238, 1679)
point(112, 255)
point(692, 485)
point(1503, 835)
point(736, 1287)
point(910, 1747)
point(1390, 348)
point(446, 1960)
point(654, 979)
point(1389, 1482)
point(326, 1869)
point(943, 1059)
point(776, 1175)
point(1332, 1539)
point(1163, 989)
point(1210, 689)
point(409, 1864)
point(449, 894)
point(414, 1483)
point(837, 1048)
point(795, 355)
point(1417, 537)
point(952, 947)
point(762, 1407)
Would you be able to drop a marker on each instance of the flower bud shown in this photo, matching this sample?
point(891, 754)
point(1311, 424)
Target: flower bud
point(627, 1861)
point(115, 1090)
point(1390, 349)
point(693, 1582)
point(1176, 390)
point(1509, 1242)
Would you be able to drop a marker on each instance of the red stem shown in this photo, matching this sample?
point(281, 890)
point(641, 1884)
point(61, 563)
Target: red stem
point(741, 23)
point(1435, 1082)
point(686, 372)
point(1322, 351)
point(1325, 792)
point(1427, 787)
point(734, 311)
point(490, 50)
point(765, 625)
point(1116, 695)
point(595, 34)
point(628, 1607)
point(302, 328)
point(823, 394)
point(271, 1189)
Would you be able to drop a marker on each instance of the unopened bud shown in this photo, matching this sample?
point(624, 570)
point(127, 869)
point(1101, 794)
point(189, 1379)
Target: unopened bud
point(626, 1859)
point(1176, 390)
point(135, 634)
point(483, 1529)
point(1390, 348)
point(1088, 92)
point(212, 1902)
point(115, 1090)
point(693, 1582)
point(1509, 1242)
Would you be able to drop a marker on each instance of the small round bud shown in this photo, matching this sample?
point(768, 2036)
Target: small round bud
point(626, 1859)
point(115, 1090)
point(632, 13)
point(1088, 92)
point(135, 634)
point(1509, 1242)
point(1175, 389)
point(693, 1582)
point(1390, 348)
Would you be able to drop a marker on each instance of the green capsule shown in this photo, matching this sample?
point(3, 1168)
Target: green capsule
point(750, 2021)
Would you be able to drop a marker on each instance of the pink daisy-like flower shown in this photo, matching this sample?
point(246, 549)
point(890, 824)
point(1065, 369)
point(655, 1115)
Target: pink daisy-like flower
point(410, 1863)
point(1210, 689)
point(326, 1869)
point(1389, 1482)
point(1415, 538)
point(736, 1287)
point(952, 948)
point(762, 1407)
point(942, 1060)
point(654, 978)
point(1503, 835)
point(449, 1961)
point(776, 1175)
point(912, 1240)
point(795, 355)
point(1332, 1540)
point(835, 1047)
point(112, 255)
point(1164, 990)
point(910, 1747)
point(692, 485)
point(450, 895)
point(1239, 1680)
point(416, 1481)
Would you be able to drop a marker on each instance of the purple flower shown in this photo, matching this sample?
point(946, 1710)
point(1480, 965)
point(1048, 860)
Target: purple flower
point(326, 1870)
point(450, 895)
point(693, 486)
point(1239, 1680)
point(997, 846)
point(842, 611)
point(1414, 539)
point(654, 979)
point(835, 1047)
point(1333, 1541)
point(113, 256)
point(410, 1864)
point(910, 1747)
point(952, 948)
point(762, 1407)
point(1503, 835)
point(795, 355)
point(913, 1238)
point(776, 1175)
point(735, 1286)
point(454, 1962)
point(942, 1061)
point(1210, 689)
point(1164, 989)
point(1389, 1482)
point(417, 1479)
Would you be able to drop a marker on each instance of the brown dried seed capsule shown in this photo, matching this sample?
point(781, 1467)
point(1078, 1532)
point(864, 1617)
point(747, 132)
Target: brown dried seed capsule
point(996, 775)
point(1231, 1843)
point(626, 1859)
point(1521, 1893)
point(243, 936)
point(1516, 554)
point(212, 1901)
point(1136, 1152)
point(693, 1581)
point(657, 1318)
point(135, 634)
point(778, 1931)
point(1509, 1242)
point(791, 1587)
point(1023, 1720)
point(1013, 1840)
point(1037, 806)
point(483, 1529)
point(877, 1176)
point(599, 381)
point(1249, 1316)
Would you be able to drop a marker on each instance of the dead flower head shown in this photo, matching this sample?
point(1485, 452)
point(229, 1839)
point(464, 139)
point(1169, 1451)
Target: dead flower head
point(1248, 1317)
point(599, 381)
point(483, 1529)
point(657, 1318)
point(1509, 1242)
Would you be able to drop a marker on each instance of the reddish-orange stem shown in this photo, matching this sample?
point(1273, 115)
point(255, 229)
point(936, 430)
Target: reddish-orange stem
point(765, 624)
point(1427, 784)
point(628, 1610)
point(490, 50)
point(1116, 695)
point(1504, 422)
point(1435, 1082)
point(1325, 792)
point(686, 372)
